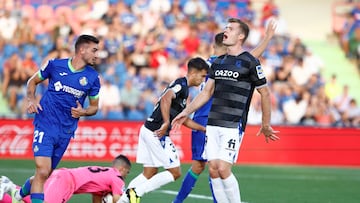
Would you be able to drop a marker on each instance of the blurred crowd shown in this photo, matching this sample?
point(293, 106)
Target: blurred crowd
point(145, 44)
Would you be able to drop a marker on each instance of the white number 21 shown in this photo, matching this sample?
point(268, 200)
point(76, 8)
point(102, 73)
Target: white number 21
point(38, 136)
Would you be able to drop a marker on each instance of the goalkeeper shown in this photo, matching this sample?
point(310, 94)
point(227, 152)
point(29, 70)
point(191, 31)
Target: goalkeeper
point(64, 182)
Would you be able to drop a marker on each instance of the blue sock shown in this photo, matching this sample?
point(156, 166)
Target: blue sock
point(25, 189)
point(187, 185)
point(37, 197)
point(212, 191)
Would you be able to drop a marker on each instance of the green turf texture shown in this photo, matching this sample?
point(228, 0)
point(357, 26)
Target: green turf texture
point(258, 184)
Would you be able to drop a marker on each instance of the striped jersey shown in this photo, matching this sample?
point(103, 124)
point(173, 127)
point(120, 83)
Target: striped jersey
point(181, 90)
point(235, 80)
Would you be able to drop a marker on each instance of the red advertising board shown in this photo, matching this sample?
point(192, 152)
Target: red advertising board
point(103, 140)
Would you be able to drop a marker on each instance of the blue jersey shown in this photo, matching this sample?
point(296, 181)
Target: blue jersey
point(66, 86)
point(205, 109)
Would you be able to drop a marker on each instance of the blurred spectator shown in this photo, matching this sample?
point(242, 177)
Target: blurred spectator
point(8, 24)
point(300, 73)
point(323, 115)
point(353, 113)
point(110, 97)
point(332, 87)
point(130, 99)
point(14, 79)
point(196, 10)
point(342, 102)
point(295, 109)
point(267, 10)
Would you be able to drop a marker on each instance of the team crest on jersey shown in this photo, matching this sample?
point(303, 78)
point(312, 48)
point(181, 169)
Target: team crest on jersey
point(260, 72)
point(36, 148)
point(238, 64)
point(83, 81)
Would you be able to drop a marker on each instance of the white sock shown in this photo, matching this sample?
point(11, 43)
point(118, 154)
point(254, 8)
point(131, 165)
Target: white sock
point(154, 183)
point(232, 190)
point(139, 180)
point(218, 188)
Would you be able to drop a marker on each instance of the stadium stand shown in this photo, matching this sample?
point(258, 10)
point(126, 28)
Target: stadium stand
point(140, 41)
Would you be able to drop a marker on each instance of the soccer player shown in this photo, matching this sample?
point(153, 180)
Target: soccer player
point(71, 80)
point(233, 78)
point(198, 138)
point(64, 182)
point(155, 148)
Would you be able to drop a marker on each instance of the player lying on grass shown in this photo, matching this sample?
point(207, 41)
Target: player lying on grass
point(64, 182)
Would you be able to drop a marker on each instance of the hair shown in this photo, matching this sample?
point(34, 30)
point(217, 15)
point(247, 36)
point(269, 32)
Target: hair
point(197, 63)
point(243, 26)
point(121, 160)
point(85, 39)
point(219, 39)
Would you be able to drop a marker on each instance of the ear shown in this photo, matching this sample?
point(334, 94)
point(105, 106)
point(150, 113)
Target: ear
point(241, 36)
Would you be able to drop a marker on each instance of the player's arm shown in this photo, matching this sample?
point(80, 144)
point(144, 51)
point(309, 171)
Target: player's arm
point(96, 198)
point(194, 125)
point(196, 103)
point(266, 113)
point(93, 107)
point(116, 198)
point(269, 33)
point(165, 105)
point(33, 81)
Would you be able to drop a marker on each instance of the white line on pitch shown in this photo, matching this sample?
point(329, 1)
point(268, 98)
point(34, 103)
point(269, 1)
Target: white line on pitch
point(195, 196)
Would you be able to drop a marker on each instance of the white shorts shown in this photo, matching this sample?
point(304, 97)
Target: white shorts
point(223, 143)
point(155, 152)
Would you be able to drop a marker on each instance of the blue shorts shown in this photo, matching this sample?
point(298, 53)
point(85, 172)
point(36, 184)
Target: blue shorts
point(50, 142)
point(198, 140)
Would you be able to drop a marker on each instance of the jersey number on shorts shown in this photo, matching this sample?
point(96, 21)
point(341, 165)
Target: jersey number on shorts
point(38, 136)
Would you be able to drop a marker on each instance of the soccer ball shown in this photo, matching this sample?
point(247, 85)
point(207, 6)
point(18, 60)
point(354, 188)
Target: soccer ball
point(107, 198)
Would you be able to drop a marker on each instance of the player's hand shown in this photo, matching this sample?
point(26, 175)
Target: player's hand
point(33, 106)
point(77, 111)
point(271, 27)
point(269, 133)
point(162, 130)
point(179, 120)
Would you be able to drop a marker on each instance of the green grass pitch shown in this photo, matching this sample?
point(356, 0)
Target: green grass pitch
point(258, 183)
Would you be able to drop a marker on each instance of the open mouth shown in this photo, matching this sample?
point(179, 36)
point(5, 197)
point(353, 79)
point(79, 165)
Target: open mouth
point(225, 37)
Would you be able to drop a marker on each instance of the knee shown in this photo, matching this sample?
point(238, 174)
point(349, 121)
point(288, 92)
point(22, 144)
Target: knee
point(176, 173)
point(213, 171)
point(198, 168)
point(224, 171)
point(42, 173)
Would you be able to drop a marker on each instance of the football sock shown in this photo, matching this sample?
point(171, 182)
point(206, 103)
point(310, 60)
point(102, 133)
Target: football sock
point(212, 190)
point(187, 185)
point(154, 183)
point(218, 189)
point(37, 197)
point(232, 190)
point(139, 180)
point(25, 189)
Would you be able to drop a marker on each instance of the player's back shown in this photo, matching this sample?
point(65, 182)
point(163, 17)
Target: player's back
point(181, 90)
point(97, 180)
